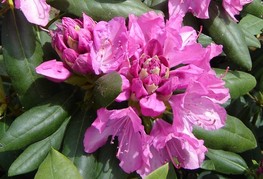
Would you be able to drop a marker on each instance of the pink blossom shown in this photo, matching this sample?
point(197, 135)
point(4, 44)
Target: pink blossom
point(90, 47)
point(178, 8)
point(168, 144)
point(53, 70)
point(124, 124)
point(233, 7)
point(36, 11)
point(197, 107)
point(168, 75)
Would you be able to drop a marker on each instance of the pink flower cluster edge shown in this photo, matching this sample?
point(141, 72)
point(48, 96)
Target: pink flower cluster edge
point(165, 74)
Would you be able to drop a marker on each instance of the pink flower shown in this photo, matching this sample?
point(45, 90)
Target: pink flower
point(90, 47)
point(168, 75)
point(168, 144)
point(178, 8)
point(233, 7)
point(53, 70)
point(197, 106)
point(36, 11)
point(124, 124)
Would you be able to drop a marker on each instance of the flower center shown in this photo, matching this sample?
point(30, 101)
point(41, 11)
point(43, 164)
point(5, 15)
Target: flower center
point(152, 72)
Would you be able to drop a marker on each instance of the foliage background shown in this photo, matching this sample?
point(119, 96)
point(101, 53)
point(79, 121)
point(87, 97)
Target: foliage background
point(42, 124)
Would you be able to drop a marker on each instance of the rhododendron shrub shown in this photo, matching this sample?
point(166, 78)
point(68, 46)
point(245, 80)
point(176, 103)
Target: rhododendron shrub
point(154, 75)
point(130, 89)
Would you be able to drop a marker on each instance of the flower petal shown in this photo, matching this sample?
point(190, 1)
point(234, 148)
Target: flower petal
point(36, 11)
point(53, 70)
point(151, 106)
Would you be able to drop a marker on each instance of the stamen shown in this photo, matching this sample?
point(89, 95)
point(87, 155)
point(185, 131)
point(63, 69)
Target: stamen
point(177, 165)
point(223, 75)
point(200, 31)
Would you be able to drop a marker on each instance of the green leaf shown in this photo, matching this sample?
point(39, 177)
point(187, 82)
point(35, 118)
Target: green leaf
point(225, 31)
point(22, 53)
point(102, 163)
point(160, 172)
point(234, 136)
point(250, 39)
point(238, 82)
point(255, 8)
point(224, 162)
point(37, 123)
point(34, 154)
point(57, 166)
point(252, 24)
point(204, 40)
point(106, 89)
point(73, 142)
point(6, 158)
point(101, 9)
point(157, 4)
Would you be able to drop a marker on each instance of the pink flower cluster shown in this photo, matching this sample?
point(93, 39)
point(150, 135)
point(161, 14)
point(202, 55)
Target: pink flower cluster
point(200, 8)
point(165, 74)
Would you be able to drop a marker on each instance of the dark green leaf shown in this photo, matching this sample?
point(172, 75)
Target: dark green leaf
point(225, 31)
point(211, 175)
point(106, 165)
point(250, 39)
point(37, 123)
point(35, 154)
point(101, 164)
point(73, 142)
point(234, 136)
point(204, 40)
point(57, 166)
point(106, 89)
point(101, 9)
point(224, 162)
point(160, 172)
point(157, 4)
point(6, 158)
point(255, 8)
point(252, 24)
point(238, 82)
point(22, 53)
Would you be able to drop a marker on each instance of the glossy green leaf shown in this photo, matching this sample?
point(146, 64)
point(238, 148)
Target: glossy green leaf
point(160, 172)
point(36, 124)
point(6, 158)
point(2, 66)
point(106, 89)
point(224, 162)
point(107, 165)
point(238, 82)
point(102, 163)
point(57, 166)
point(157, 4)
point(22, 53)
point(73, 142)
point(255, 8)
point(234, 136)
point(252, 24)
point(250, 39)
point(35, 154)
point(211, 174)
point(101, 9)
point(225, 31)
point(204, 40)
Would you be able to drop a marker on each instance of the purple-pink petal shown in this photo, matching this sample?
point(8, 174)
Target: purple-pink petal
point(53, 70)
point(151, 106)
